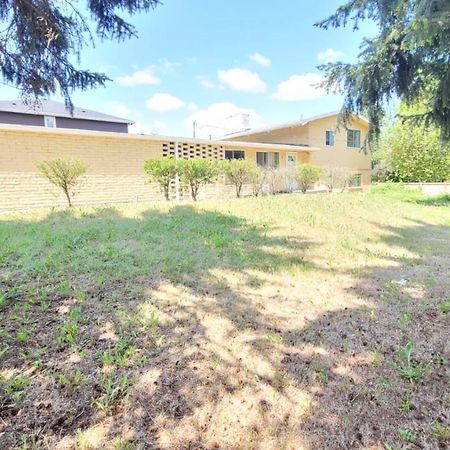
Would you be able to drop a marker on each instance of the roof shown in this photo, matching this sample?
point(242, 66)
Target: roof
point(301, 122)
point(159, 138)
point(44, 107)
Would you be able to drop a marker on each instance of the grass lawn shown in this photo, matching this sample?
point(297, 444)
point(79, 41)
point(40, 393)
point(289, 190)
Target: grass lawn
point(286, 322)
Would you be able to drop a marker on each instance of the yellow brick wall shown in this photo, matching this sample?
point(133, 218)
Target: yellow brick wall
point(114, 163)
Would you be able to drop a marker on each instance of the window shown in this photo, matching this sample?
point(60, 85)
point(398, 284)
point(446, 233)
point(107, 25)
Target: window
point(356, 181)
point(353, 138)
point(329, 138)
point(268, 159)
point(234, 154)
point(50, 121)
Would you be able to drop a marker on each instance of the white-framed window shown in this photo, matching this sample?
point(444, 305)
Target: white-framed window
point(329, 138)
point(353, 138)
point(268, 159)
point(50, 121)
point(356, 181)
point(234, 154)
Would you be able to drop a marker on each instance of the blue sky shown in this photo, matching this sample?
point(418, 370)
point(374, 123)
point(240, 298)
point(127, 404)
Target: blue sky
point(212, 62)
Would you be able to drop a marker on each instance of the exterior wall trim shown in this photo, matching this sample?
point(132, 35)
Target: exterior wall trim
point(152, 138)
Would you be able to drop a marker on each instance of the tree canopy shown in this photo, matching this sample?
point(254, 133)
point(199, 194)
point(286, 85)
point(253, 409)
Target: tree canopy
point(41, 39)
point(409, 59)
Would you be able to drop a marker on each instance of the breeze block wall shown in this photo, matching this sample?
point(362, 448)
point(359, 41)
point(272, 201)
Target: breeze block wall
point(115, 166)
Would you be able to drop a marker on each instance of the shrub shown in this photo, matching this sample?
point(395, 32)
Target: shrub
point(338, 178)
point(308, 175)
point(257, 179)
point(63, 173)
point(275, 180)
point(162, 171)
point(238, 172)
point(195, 172)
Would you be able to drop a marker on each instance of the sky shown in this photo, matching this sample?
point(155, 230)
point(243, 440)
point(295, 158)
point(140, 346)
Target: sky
point(227, 66)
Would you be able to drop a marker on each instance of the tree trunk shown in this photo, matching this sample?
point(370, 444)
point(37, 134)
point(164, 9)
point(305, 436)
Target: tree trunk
point(166, 191)
point(69, 200)
point(194, 191)
point(238, 189)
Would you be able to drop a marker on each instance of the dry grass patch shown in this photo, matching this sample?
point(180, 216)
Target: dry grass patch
point(280, 322)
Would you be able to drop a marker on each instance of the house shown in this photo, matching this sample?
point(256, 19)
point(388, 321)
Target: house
point(115, 164)
point(51, 114)
point(336, 147)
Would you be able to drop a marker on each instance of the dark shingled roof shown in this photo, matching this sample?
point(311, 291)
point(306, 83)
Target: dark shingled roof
point(57, 109)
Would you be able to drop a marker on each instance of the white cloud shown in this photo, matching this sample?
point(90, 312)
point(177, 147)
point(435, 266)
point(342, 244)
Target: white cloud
point(120, 109)
point(157, 127)
point(162, 102)
point(166, 66)
point(242, 80)
point(300, 87)
point(260, 59)
point(222, 118)
point(192, 107)
point(329, 55)
point(139, 77)
point(205, 82)
point(139, 128)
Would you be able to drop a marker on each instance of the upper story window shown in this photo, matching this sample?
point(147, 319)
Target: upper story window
point(353, 138)
point(50, 121)
point(329, 138)
point(234, 154)
point(268, 159)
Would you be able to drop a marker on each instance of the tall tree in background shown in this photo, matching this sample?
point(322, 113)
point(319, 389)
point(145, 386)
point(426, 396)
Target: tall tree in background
point(41, 38)
point(410, 152)
point(411, 54)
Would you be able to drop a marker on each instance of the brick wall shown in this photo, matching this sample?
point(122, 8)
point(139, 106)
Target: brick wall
point(115, 166)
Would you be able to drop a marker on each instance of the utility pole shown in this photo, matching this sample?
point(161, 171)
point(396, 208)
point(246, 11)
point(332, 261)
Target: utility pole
point(194, 128)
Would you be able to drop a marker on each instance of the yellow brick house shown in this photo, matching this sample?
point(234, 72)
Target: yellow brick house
point(334, 146)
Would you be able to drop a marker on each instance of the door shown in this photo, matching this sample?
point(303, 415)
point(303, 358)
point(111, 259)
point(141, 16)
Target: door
point(291, 168)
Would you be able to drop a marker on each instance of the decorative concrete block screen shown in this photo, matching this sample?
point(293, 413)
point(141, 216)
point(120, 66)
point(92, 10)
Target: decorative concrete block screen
point(189, 150)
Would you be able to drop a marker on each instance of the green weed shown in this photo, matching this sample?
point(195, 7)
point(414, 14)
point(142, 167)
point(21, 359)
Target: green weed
point(114, 389)
point(406, 367)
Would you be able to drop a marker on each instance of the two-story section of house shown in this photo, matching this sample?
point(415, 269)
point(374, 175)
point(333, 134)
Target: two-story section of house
point(51, 114)
point(337, 146)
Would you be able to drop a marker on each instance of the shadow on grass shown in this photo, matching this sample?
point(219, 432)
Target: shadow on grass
point(77, 285)
point(434, 200)
point(146, 309)
point(350, 360)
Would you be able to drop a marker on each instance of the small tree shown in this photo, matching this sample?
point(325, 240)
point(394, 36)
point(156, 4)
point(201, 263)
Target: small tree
point(338, 178)
point(308, 175)
point(238, 172)
point(64, 173)
point(162, 171)
point(195, 172)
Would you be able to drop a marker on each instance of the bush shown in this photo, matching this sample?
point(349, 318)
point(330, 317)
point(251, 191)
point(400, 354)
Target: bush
point(275, 180)
point(63, 173)
point(411, 152)
point(195, 172)
point(238, 172)
point(338, 178)
point(308, 175)
point(162, 171)
point(257, 179)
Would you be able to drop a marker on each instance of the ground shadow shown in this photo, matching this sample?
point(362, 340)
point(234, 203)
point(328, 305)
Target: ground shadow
point(134, 304)
point(78, 288)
